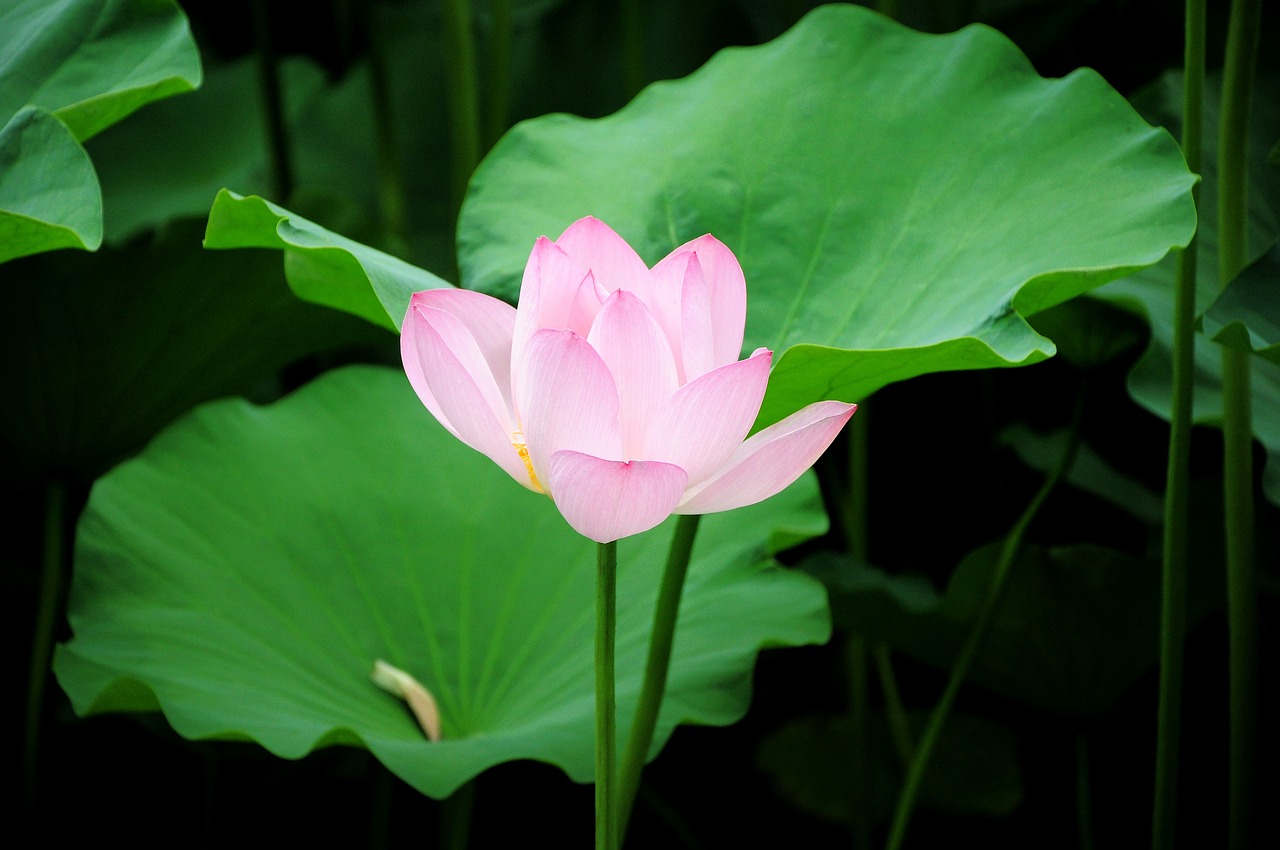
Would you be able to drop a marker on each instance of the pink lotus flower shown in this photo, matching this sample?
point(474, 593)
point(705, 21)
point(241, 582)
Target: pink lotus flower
point(612, 388)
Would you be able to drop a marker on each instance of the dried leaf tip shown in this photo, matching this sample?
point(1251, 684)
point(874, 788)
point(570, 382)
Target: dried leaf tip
point(395, 681)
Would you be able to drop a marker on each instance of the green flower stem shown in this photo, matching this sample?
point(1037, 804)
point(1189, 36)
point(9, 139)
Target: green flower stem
point(273, 102)
point(455, 817)
point(42, 636)
point(899, 726)
point(462, 94)
point(606, 622)
point(656, 665)
point(499, 100)
point(1237, 425)
point(391, 197)
point(973, 642)
point(1173, 613)
point(633, 46)
point(1084, 805)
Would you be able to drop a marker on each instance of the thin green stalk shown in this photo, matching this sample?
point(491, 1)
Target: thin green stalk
point(1173, 613)
point(973, 642)
point(462, 94)
point(606, 622)
point(633, 46)
point(656, 666)
point(273, 102)
point(1084, 802)
point(42, 636)
point(455, 817)
point(391, 198)
point(899, 726)
point(860, 781)
point(499, 99)
point(1237, 424)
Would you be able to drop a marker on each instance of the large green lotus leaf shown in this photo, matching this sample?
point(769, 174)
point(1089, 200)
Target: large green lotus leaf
point(244, 572)
point(103, 350)
point(1150, 292)
point(1076, 625)
point(1246, 315)
point(321, 266)
point(898, 201)
point(69, 69)
point(92, 62)
point(49, 196)
point(213, 137)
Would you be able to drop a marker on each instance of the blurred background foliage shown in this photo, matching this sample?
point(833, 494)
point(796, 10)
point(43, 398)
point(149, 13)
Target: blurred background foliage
point(361, 136)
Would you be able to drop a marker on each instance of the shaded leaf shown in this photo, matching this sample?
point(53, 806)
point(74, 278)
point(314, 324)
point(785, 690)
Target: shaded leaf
point(104, 350)
point(320, 265)
point(1246, 315)
point(246, 570)
point(898, 201)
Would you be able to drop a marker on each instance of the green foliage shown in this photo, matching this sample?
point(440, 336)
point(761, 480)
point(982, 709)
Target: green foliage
point(321, 266)
point(247, 569)
point(1246, 315)
point(898, 201)
point(68, 70)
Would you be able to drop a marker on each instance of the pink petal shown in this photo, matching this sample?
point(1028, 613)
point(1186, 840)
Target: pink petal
point(448, 368)
point(566, 399)
point(607, 500)
point(614, 263)
point(771, 459)
point(728, 293)
point(636, 351)
point(490, 323)
point(548, 294)
point(705, 421)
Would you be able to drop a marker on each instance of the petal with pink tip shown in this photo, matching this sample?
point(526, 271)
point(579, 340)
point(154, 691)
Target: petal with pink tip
point(566, 399)
point(614, 263)
point(547, 293)
point(728, 294)
point(607, 500)
point(668, 284)
point(770, 460)
point(705, 421)
point(635, 349)
point(490, 323)
point(460, 390)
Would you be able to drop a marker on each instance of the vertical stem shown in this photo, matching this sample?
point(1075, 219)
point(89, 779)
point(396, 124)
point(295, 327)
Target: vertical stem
point(499, 71)
point(969, 651)
point(606, 619)
point(463, 96)
point(272, 101)
point(899, 726)
point(391, 199)
point(860, 755)
point(661, 640)
point(455, 817)
point(43, 635)
point(855, 524)
point(633, 46)
point(1237, 427)
point(1084, 803)
point(1178, 479)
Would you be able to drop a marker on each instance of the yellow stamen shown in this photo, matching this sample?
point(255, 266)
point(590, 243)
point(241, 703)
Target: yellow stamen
point(517, 441)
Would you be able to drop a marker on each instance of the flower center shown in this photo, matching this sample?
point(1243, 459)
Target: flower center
point(517, 441)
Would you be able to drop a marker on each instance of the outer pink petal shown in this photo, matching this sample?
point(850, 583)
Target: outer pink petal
point(548, 292)
point(490, 323)
point(668, 286)
point(728, 289)
point(636, 351)
point(614, 263)
point(566, 399)
point(705, 421)
point(458, 387)
point(607, 500)
point(770, 460)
